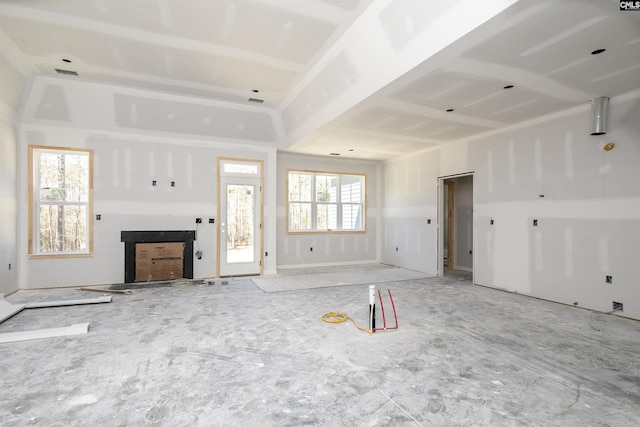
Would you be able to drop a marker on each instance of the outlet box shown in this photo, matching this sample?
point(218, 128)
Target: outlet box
point(198, 220)
point(608, 279)
point(212, 221)
point(617, 306)
point(535, 222)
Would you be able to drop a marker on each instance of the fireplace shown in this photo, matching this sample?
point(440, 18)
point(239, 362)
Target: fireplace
point(157, 255)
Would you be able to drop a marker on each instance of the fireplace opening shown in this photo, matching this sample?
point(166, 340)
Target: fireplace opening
point(157, 255)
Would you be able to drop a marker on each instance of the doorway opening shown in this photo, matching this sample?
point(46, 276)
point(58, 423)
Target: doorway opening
point(240, 213)
point(455, 226)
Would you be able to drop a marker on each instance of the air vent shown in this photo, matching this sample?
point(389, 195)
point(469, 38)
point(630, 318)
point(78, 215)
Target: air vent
point(259, 101)
point(67, 72)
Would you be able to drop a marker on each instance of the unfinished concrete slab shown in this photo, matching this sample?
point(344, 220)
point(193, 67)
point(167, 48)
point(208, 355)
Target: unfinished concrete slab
point(234, 355)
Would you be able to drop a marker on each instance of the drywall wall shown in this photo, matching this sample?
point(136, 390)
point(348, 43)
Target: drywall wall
point(294, 250)
point(8, 209)
point(126, 162)
point(12, 81)
point(586, 202)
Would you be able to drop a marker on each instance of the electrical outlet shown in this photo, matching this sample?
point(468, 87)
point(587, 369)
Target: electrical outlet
point(491, 222)
point(310, 249)
point(198, 220)
point(535, 222)
point(212, 221)
point(428, 221)
point(608, 279)
point(617, 306)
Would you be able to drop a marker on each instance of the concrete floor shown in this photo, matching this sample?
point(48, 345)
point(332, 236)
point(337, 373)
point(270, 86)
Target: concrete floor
point(232, 355)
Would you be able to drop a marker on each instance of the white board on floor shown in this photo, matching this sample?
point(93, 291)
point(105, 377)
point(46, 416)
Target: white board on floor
point(7, 309)
point(68, 302)
point(77, 329)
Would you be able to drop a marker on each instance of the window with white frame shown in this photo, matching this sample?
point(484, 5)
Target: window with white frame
point(60, 206)
point(325, 202)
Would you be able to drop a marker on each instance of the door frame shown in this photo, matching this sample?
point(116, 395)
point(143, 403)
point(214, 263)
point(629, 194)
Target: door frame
point(441, 213)
point(260, 162)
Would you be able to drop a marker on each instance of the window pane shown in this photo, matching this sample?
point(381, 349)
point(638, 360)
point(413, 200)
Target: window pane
point(327, 216)
point(326, 188)
point(64, 176)
point(63, 228)
point(240, 168)
point(351, 189)
point(240, 223)
point(352, 217)
point(299, 187)
point(299, 216)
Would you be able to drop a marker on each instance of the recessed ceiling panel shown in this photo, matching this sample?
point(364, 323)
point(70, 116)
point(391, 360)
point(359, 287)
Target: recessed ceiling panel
point(266, 29)
point(388, 121)
point(555, 36)
point(443, 89)
point(50, 42)
point(360, 145)
point(180, 117)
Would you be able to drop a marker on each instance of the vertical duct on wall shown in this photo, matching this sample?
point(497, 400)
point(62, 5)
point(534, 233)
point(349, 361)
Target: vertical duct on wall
point(599, 107)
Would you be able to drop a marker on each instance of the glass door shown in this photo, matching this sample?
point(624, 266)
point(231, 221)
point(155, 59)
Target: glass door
point(240, 219)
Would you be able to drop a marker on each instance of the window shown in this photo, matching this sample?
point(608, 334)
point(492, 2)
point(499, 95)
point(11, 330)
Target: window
point(321, 201)
point(60, 201)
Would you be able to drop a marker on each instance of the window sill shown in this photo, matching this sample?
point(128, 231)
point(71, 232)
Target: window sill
point(327, 232)
point(49, 256)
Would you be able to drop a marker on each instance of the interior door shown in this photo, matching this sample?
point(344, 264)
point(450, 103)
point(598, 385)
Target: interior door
point(240, 241)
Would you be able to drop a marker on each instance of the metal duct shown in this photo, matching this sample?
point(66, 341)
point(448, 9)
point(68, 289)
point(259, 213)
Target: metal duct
point(599, 107)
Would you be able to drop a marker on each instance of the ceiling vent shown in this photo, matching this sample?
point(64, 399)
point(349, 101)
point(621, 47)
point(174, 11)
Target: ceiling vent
point(599, 107)
point(259, 101)
point(67, 72)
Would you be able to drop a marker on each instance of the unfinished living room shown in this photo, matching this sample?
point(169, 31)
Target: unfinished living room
point(319, 212)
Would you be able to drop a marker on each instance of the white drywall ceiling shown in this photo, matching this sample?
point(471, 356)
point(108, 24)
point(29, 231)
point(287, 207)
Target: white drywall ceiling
point(365, 78)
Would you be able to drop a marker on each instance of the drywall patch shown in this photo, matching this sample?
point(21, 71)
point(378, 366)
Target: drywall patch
point(115, 163)
point(537, 158)
point(568, 251)
point(128, 168)
point(512, 164)
point(490, 171)
point(568, 155)
point(537, 242)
